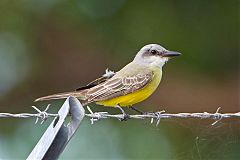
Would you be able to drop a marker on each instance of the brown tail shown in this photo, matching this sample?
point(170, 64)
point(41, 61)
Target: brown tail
point(61, 96)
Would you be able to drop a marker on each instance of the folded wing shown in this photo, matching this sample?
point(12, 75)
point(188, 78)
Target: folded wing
point(115, 87)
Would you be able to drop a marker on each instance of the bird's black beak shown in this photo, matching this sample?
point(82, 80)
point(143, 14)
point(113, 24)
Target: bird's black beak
point(171, 54)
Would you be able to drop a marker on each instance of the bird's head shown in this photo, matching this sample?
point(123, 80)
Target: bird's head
point(154, 55)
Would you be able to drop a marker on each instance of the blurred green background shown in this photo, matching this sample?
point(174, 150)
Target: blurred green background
point(55, 46)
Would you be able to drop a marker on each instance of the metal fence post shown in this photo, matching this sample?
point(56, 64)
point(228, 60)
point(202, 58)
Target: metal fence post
point(57, 135)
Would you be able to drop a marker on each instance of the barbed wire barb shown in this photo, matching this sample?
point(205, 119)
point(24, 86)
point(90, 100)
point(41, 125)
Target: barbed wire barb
point(218, 117)
point(43, 115)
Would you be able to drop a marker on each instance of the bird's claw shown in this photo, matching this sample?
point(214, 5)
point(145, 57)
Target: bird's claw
point(125, 116)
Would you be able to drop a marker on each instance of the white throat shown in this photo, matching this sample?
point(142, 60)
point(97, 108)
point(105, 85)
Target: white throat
point(153, 61)
point(157, 61)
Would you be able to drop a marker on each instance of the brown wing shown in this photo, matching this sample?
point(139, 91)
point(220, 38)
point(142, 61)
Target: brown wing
point(97, 81)
point(117, 86)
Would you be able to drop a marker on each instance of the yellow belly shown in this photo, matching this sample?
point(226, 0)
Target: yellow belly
point(137, 96)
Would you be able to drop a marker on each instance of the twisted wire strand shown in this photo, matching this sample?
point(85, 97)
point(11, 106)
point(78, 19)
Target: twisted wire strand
point(95, 116)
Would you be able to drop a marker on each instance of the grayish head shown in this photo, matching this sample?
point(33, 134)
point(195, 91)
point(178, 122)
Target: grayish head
point(154, 55)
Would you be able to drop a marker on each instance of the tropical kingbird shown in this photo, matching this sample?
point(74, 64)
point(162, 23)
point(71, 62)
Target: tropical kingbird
point(132, 84)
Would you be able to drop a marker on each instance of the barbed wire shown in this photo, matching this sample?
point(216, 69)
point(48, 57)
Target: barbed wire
point(96, 116)
point(42, 115)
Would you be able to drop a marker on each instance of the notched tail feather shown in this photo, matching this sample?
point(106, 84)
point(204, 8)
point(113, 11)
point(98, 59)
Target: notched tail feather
point(60, 96)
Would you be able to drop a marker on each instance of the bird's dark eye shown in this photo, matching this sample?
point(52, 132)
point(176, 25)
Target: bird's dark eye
point(153, 51)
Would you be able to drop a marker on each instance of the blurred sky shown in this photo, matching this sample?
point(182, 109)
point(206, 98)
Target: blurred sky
point(55, 46)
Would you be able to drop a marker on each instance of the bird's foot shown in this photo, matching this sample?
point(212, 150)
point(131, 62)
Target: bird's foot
point(136, 110)
point(125, 115)
point(144, 113)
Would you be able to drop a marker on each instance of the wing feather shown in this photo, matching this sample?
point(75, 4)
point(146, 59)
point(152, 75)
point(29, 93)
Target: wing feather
point(115, 87)
point(102, 79)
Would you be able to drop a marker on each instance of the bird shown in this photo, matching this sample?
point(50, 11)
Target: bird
point(132, 84)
